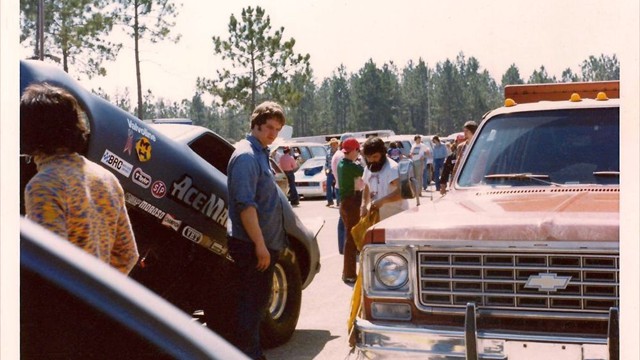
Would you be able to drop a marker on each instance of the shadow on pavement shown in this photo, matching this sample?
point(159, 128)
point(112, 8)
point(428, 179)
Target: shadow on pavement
point(304, 345)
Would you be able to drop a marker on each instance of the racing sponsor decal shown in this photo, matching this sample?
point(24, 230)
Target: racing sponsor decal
point(132, 199)
point(158, 189)
point(143, 149)
point(171, 222)
point(129, 145)
point(192, 234)
point(152, 209)
point(141, 130)
point(210, 205)
point(141, 178)
point(116, 163)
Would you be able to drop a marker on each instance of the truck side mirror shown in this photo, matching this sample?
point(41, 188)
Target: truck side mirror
point(407, 179)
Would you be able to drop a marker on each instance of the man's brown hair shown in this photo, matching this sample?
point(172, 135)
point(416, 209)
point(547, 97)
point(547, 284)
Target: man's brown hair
point(265, 111)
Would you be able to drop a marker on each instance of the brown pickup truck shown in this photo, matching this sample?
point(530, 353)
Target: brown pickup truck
point(520, 260)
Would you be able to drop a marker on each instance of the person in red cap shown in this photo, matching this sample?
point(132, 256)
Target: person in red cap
point(350, 180)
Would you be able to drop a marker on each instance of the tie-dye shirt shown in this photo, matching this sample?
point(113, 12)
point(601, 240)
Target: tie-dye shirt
point(84, 203)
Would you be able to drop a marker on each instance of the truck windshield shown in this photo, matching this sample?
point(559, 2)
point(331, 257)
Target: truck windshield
point(553, 148)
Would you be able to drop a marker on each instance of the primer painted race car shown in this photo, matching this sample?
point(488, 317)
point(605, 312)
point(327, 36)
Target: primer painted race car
point(175, 183)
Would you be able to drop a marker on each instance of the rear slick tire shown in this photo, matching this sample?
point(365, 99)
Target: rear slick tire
point(284, 304)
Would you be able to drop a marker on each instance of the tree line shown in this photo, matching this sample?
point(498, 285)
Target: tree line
point(262, 64)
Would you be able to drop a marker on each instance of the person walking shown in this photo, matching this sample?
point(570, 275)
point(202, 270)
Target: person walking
point(289, 165)
point(331, 180)
point(73, 197)
point(381, 181)
point(256, 234)
point(350, 178)
point(418, 155)
point(439, 155)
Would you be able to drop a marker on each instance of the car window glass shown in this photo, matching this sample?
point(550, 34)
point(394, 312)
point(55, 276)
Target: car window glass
point(564, 147)
point(213, 150)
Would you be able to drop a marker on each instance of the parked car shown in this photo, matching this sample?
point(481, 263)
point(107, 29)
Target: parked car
point(407, 142)
point(174, 178)
point(303, 151)
point(74, 306)
point(311, 178)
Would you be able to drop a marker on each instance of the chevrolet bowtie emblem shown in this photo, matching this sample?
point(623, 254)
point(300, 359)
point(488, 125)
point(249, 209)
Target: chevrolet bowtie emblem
point(547, 282)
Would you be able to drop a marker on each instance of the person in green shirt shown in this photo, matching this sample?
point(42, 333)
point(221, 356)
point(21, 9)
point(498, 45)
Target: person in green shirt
point(350, 180)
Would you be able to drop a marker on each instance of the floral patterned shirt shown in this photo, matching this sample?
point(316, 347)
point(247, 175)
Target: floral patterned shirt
point(83, 203)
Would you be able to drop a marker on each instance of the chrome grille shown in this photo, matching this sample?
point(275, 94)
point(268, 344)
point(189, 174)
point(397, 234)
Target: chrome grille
point(497, 280)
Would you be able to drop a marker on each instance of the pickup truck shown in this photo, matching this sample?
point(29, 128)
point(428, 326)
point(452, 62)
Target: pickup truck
point(175, 183)
point(521, 259)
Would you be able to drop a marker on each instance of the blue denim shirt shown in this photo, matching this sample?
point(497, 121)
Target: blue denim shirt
point(439, 151)
point(251, 183)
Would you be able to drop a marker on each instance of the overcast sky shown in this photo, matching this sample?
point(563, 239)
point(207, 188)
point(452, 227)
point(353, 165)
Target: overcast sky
point(556, 34)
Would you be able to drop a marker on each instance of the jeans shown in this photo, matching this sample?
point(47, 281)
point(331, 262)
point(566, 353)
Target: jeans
point(418, 168)
point(330, 188)
point(254, 290)
point(341, 230)
point(438, 164)
point(427, 173)
point(350, 213)
point(293, 192)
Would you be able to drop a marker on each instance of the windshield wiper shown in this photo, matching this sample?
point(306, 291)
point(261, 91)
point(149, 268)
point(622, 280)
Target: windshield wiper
point(523, 177)
point(607, 173)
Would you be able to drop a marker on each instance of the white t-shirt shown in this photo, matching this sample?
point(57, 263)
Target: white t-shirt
point(380, 186)
point(419, 151)
point(335, 160)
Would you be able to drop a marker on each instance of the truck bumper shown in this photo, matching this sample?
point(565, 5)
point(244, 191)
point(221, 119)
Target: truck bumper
point(393, 341)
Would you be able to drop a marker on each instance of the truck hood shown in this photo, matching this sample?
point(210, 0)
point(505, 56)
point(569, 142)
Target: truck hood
point(534, 214)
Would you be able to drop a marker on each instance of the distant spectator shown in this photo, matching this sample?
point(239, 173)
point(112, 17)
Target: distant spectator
point(331, 180)
point(469, 128)
point(418, 156)
point(439, 155)
point(289, 166)
point(394, 152)
point(75, 198)
point(447, 169)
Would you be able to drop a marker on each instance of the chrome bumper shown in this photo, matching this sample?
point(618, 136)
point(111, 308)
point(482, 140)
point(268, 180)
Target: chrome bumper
point(391, 341)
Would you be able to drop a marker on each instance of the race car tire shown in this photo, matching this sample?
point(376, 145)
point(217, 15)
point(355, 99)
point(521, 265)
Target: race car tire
point(284, 305)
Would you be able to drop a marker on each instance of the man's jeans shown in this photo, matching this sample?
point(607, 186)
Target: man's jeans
point(330, 188)
point(438, 164)
point(341, 229)
point(254, 290)
point(293, 192)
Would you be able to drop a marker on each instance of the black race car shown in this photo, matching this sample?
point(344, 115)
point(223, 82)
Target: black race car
point(174, 177)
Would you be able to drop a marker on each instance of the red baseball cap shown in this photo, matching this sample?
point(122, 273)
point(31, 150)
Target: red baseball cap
point(350, 145)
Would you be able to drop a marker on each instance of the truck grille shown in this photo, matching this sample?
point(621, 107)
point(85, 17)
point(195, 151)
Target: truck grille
point(498, 280)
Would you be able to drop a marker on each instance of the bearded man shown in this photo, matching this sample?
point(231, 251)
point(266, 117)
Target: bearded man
point(381, 178)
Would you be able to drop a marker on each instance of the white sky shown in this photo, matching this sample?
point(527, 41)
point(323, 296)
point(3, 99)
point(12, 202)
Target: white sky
point(556, 34)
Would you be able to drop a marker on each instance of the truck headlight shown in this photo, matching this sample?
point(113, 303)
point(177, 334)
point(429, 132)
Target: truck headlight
point(391, 270)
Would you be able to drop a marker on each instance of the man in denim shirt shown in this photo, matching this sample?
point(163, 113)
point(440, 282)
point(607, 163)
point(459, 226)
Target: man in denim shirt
point(257, 233)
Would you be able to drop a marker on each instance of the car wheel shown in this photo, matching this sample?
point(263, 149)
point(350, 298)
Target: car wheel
point(284, 305)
